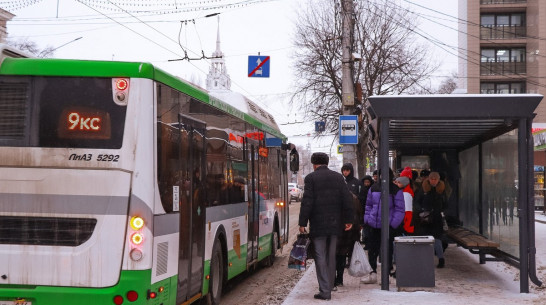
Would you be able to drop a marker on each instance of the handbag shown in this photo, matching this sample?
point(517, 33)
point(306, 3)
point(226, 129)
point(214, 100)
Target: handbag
point(360, 265)
point(425, 217)
point(301, 251)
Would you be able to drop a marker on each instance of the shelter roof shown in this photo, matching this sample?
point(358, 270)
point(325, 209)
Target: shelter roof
point(450, 121)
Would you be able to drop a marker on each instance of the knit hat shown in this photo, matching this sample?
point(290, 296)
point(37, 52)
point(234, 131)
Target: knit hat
point(406, 172)
point(403, 180)
point(319, 158)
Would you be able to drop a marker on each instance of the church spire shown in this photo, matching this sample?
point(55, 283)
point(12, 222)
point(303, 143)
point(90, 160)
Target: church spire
point(218, 79)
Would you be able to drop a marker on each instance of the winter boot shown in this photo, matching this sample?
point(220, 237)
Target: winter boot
point(441, 263)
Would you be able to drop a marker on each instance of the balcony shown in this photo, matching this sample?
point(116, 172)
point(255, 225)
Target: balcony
point(501, 1)
point(502, 68)
point(503, 32)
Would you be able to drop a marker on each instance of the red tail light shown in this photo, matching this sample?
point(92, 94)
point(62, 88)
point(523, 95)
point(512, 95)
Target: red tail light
point(132, 296)
point(122, 84)
point(118, 300)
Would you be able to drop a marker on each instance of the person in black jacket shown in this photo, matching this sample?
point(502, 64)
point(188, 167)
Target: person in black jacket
point(347, 240)
point(328, 208)
point(431, 201)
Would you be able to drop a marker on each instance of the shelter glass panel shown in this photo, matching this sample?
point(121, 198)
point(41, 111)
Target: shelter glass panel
point(469, 196)
point(499, 191)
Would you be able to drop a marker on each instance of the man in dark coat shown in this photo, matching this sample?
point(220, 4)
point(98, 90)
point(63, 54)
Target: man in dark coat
point(328, 208)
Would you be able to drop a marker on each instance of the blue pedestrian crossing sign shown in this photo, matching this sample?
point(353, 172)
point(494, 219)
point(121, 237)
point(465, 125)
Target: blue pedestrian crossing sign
point(258, 66)
point(348, 129)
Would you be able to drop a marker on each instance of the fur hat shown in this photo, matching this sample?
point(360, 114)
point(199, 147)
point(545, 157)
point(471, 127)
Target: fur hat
point(319, 158)
point(403, 180)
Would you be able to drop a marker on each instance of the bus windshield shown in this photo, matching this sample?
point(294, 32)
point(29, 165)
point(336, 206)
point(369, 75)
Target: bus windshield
point(60, 112)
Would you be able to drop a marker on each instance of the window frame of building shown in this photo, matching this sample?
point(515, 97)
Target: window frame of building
point(496, 87)
point(502, 25)
point(503, 60)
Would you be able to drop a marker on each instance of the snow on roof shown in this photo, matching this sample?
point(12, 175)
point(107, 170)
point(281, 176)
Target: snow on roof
point(245, 105)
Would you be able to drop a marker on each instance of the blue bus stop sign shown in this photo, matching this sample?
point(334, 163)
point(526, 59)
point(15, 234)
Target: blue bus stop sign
point(348, 129)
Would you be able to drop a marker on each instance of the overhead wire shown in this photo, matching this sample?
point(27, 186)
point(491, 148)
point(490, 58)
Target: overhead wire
point(492, 42)
point(442, 44)
point(466, 21)
point(202, 53)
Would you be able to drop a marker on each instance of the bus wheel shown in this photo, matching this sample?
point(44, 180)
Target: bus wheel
point(274, 246)
point(216, 280)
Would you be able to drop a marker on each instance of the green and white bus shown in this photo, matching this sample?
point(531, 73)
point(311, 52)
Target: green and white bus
point(123, 184)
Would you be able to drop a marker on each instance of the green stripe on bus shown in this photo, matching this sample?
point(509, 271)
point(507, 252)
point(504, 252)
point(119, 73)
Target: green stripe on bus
point(264, 242)
point(239, 264)
point(136, 280)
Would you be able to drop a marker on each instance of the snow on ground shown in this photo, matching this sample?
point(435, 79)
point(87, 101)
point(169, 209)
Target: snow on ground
point(462, 281)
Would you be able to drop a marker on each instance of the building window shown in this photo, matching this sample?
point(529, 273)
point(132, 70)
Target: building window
point(502, 61)
point(502, 88)
point(502, 26)
point(501, 1)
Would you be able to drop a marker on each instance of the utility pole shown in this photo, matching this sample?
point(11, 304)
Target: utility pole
point(347, 85)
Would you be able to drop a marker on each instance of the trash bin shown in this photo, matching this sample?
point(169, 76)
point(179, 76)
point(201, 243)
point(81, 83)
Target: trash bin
point(414, 256)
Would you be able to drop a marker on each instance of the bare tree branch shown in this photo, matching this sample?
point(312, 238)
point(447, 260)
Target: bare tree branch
point(31, 47)
point(392, 61)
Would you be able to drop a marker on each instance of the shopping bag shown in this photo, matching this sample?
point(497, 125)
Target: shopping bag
point(296, 264)
point(360, 266)
point(300, 247)
point(301, 251)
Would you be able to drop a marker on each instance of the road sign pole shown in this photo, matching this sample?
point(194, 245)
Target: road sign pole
point(349, 151)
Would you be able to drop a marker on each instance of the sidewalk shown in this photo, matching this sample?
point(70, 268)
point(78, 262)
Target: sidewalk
point(540, 217)
point(462, 281)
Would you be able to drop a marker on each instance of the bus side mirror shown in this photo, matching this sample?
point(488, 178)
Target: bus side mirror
point(294, 160)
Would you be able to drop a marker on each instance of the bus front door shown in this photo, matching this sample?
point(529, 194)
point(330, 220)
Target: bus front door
point(192, 208)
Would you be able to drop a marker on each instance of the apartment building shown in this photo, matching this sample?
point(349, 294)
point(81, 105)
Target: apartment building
point(502, 48)
point(5, 16)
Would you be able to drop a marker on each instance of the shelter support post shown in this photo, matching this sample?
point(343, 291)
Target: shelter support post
point(531, 196)
point(523, 206)
point(385, 182)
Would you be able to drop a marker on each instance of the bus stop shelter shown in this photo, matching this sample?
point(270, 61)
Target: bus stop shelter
point(484, 146)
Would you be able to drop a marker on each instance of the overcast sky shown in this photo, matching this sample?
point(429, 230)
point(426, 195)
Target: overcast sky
point(147, 30)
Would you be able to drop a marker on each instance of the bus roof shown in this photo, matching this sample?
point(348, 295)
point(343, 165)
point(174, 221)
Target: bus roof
point(91, 68)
